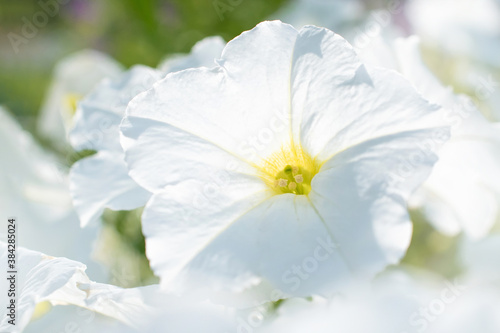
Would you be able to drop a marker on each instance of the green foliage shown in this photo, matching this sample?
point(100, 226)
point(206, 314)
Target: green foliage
point(432, 250)
point(131, 31)
point(124, 249)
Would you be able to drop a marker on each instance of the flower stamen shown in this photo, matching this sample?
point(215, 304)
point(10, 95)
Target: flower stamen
point(282, 182)
point(290, 171)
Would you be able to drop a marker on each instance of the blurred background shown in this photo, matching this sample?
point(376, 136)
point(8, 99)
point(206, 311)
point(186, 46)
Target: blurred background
point(130, 31)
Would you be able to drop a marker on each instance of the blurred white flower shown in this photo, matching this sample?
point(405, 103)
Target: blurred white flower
point(101, 181)
point(43, 281)
point(34, 190)
point(400, 301)
point(336, 15)
point(203, 54)
point(74, 77)
point(479, 258)
point(384, 307)
point(170, 315)
point(286, 166)
point(462, 39)
point(72, 318)
point(175, 314)
point(55, 293)
point(459, 27)
point(462, 192)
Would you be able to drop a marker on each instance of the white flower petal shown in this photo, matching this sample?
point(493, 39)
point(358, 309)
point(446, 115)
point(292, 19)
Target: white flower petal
point(173, 314)
point(479, 258)
point(34, 190)
point(152, 144)
point(468, 187)
point(96, 127)
point(410, 63)
point(337, 102)
point(191, 215)
point(203, 54)
point(61, 281)
point(400, 301)
point(74, 77)
point(107, 308)
point(99, 114)
point(72, 318)
point(102, 181)
point(361, 196)
point(280, 240)
point(461, 193)
point(241, 107)
point(38, 278)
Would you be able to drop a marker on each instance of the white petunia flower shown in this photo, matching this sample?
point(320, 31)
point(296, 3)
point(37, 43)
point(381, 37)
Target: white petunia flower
point(42, 281)
point(101, 181)
point(462, 192)
point(55, 294)
point(34, 190)
point(219, 147)
point(74, 77)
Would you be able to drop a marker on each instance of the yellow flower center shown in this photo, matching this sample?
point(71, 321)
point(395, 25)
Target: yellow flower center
point(290, 170)
point(71, 101)
point(41, 309)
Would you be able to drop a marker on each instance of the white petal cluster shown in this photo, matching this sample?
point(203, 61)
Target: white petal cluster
point(34, 188)
point(56, 294)
point(101, 181)
point(462, 192)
